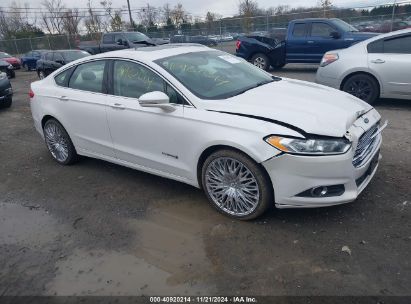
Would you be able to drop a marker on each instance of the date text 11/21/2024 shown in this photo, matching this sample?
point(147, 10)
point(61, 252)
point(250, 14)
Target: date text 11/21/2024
point(203, 299)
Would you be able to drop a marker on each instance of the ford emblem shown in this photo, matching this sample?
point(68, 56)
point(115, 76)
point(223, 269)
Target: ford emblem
point(366, 120)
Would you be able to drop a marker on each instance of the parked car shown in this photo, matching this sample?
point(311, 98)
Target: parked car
point(307, 41)
point(6, 91)
point(15, 62)
point(378, 67)
point(29, 60)
point(53, 60)
point(214, 121)
point(193, 39)
point(396, 25)
point(7, 68)
point(119, 41)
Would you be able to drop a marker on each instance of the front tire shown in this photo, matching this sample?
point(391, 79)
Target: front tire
point(59, 143)
point(261, 61)
point(7, 103)
point(362, 86)
point(236, 185)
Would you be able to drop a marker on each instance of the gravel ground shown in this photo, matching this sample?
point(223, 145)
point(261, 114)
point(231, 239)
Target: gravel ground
point(100, 229)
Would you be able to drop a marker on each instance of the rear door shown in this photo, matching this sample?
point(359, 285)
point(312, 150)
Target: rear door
point(82, 100)
point(297, 46)
point(390, 60)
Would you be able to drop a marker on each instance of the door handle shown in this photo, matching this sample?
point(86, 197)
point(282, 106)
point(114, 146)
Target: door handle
point(118, 106)
point(378, 61)
point(310, 41)
point(64, 98)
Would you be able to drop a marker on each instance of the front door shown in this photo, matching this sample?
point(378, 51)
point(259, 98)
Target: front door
point(148, 138)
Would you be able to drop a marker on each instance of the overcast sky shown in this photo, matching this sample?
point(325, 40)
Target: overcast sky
point(200, 7)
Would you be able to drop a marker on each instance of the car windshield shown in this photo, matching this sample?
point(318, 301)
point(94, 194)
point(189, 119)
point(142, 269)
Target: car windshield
point(74, 55)
point(345, 26)
point(214, 74)
point(4, 55)
point(136, 37)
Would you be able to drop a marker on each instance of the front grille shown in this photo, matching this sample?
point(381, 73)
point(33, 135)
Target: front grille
point(365, 146)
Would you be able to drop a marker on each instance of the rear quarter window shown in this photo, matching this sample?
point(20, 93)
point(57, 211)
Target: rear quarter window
point(62, 78)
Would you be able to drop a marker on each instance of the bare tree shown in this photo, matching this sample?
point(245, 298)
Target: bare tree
point(93, 23)
point(166, 13)
point(53, 18)
point(326, 6)
point(148, 16)
point(179, 15)
point(71, 21)
point(248, 9)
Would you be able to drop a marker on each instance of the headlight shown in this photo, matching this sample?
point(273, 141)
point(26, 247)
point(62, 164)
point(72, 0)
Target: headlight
point(3, 75)
point(328, 58)
point(309, 146)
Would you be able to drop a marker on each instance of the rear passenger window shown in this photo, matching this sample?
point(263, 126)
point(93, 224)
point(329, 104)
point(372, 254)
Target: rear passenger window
point(398, 45)
point(63, 78)
point(88, 77)
point(376, 47)
point(299, 30)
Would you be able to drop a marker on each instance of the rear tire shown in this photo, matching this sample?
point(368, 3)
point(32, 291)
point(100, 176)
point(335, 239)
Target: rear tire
point(362, 86)
point(236, 185)
point(261, 61)
point(41, 74)
point(59, 143)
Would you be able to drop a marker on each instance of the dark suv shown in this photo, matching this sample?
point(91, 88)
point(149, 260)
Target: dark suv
point(53, 60)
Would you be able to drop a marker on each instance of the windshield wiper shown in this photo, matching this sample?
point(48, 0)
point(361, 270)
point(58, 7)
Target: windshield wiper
point(259, 84)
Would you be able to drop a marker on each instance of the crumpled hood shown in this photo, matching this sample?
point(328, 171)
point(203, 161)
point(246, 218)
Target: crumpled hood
point(313, 108)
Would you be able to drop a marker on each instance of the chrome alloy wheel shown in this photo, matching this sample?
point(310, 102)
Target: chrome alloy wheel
point(232, 186)
point(259, 62)
point(56, 141)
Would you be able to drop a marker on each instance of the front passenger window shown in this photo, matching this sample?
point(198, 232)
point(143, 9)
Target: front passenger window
point(321, 30)
point(88, 76)
point(134, 80)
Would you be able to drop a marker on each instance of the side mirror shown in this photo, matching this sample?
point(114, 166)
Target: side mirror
point(335, 35)
point(119, 41)
point(156, 99)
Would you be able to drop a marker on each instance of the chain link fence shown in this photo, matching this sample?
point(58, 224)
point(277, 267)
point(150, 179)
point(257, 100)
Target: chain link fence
point(221, 31)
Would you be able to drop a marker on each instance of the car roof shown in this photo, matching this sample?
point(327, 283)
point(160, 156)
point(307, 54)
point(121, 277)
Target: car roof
point(395, 33)
point(152, 53)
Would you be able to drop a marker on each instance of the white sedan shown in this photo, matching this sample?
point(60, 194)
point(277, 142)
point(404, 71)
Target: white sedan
point(214, 121)
point(377, 67)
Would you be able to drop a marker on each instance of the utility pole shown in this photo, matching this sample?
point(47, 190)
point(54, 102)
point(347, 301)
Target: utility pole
point(129, 14)
point(393, 14)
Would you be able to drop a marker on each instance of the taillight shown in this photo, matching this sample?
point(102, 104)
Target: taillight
point(237, 44)
point(31, 93)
